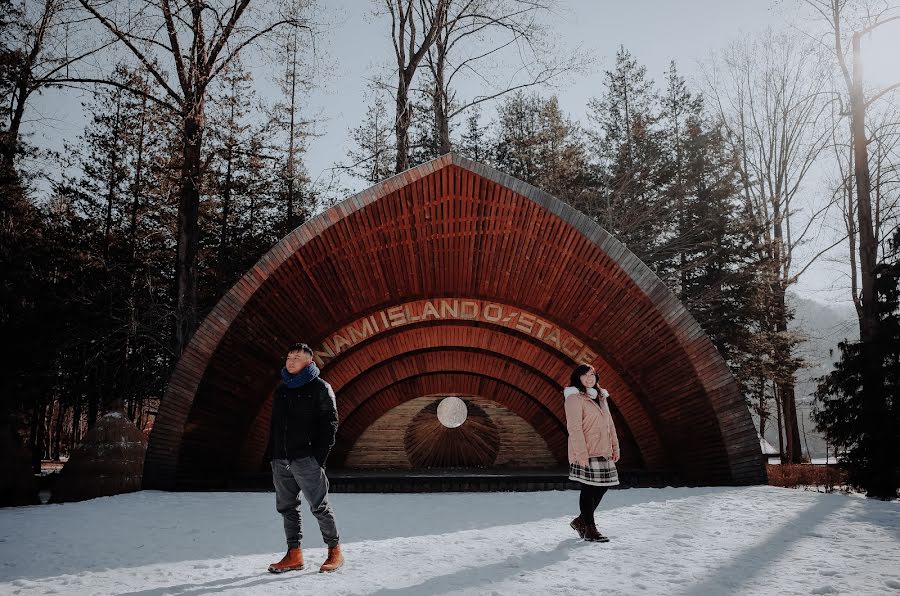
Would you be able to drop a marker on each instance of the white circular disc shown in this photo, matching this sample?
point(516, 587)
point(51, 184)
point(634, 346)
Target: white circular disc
point(452, 412)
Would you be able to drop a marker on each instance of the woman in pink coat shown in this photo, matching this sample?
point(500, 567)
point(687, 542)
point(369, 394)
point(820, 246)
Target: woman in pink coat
point(593, 446)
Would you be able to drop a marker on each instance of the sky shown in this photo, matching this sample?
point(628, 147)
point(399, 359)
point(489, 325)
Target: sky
point(356, 47)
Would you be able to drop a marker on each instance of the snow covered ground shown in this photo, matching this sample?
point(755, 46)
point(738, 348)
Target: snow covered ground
point(751, 540)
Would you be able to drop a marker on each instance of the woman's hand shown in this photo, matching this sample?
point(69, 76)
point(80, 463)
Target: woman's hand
point(615, 457)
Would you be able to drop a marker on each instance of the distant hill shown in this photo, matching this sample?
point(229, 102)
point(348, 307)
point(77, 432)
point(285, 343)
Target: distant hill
point(823, 326)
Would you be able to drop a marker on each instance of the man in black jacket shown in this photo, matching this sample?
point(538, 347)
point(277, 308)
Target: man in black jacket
point(304, 422)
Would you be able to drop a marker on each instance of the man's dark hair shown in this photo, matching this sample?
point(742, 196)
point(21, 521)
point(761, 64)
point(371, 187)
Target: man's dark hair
point(301, 347)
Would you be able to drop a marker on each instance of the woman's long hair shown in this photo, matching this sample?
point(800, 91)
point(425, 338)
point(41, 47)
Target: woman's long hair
point(575, 378)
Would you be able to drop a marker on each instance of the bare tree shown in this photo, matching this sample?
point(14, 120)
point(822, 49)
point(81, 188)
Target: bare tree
point(883, 132)
point(409, 52)
point(46, 44)
point(771, 93)
point(477, 32)
point(867, 18)
point(848, 22)
point(190, 41)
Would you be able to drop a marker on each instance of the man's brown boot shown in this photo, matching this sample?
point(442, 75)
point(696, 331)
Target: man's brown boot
point(334, 561)
point(292, 561)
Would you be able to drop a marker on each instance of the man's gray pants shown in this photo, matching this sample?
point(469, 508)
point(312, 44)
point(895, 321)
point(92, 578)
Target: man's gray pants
point(291, 477)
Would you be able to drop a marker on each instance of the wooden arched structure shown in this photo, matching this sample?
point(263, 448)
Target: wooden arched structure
point(454, 278)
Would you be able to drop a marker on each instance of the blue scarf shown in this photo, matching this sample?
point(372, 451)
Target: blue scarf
point(301, 378)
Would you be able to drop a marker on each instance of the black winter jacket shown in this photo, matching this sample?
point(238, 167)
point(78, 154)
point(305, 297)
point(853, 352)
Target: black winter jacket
point(304, 421)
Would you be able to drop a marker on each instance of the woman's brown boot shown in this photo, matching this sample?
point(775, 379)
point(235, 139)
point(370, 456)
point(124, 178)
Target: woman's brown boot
point(591, 534)
point(292, 561)
point(577, 524)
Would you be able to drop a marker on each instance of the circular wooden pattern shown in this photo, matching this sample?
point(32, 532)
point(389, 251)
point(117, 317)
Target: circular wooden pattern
point(381, 445)
point(456, 279)
point(431, 444)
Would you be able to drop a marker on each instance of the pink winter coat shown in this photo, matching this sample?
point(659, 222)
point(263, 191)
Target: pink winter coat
point(590, 424)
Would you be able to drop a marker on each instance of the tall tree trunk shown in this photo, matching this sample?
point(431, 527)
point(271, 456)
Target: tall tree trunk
point(779, 421)
point(403, 22)
point(785, 382)
point(138, 188)
point(9, 139)
point(188, 227)
point(46, 429)
point(137, 192)
point(138, 415)
point(785, 377)
point(37, 435)
point(112, 183)
point(75, 437)
point(226, 212)
point(763, 411)
point(58, 430)
point(291, 157)
point(794, 454)
point(868, 245)
point(851, 229)
point(93, 406)
point(874, 411)
point(440, 99)
point(401, 128)
point(24, 86)
point(251, 224)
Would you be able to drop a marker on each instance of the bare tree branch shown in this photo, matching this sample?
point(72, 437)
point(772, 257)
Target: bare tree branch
point(124, 38)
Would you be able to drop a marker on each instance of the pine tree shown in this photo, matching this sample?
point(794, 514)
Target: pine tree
point(706, 250)
point(372, 158)
point(228, 142)
point(517, 136)
point(536, 143)
point(866, 439)
point(424, 137)
point(474, 142)
point(31, 315)
point(629, 147)
point(241, 218)
point(681, 123)
point(110, 218)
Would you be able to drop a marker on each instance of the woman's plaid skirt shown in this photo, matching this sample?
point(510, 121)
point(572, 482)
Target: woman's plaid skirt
point(599, 472)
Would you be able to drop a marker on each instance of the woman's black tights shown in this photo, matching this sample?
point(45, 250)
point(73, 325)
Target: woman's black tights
point(589, 500)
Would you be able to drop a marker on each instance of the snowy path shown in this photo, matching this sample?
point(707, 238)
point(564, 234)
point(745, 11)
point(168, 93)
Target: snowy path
point(756, 540)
